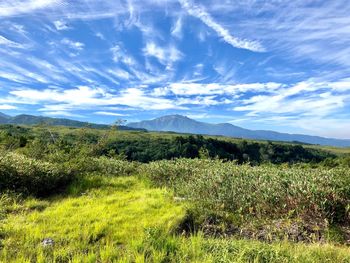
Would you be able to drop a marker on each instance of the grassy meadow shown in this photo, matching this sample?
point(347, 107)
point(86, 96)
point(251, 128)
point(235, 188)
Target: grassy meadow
point(77, 195)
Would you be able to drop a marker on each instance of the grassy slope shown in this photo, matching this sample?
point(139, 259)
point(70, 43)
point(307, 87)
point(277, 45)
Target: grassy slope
point(99, 215)
point(331, 149)
point(108, 219)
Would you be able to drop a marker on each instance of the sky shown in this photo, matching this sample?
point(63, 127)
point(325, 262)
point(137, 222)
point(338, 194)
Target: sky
point(274, 65)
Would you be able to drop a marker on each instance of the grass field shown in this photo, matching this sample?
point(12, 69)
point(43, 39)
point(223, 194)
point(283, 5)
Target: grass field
point(124, 219)
point(99, 218)
point(66, 196)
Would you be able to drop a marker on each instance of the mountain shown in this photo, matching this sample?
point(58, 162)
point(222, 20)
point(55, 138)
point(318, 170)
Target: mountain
point(183, 124)
point(3, 117)
point(25, 119)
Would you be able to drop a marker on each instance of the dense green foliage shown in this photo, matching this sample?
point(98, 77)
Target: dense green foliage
point(146, 148)
point(192, 146)
point(31, 176)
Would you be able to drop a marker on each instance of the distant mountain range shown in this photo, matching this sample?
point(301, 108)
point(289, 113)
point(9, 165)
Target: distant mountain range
point(183, 124)
point(25, 119)
point(180, 124)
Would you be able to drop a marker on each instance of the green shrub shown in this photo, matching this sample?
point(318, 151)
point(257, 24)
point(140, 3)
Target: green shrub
point(22, 174)
point(110, 166)
point(225, 188)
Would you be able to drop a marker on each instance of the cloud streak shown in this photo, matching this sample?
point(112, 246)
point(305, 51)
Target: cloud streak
point(206, 18)
point(14, 8)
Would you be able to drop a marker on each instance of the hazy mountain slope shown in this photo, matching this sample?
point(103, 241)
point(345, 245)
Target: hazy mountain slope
point(178, 123)
point(25, 119)
point(2, 115)
point(3, 118)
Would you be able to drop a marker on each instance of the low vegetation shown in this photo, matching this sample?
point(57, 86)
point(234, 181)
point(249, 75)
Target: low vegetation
point(123, 219)
point(266, 202)
point(29, 176)
point(79, 195)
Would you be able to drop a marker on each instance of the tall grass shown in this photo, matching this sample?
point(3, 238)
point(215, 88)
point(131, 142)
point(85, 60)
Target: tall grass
point(216, 190)
point(122, 219)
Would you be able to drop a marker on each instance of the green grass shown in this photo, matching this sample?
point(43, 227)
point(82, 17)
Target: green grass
point(124, 219)
point(332, 149)
point(99, 216)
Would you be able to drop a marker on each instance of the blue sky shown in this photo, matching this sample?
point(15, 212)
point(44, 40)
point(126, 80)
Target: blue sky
point(278, 65)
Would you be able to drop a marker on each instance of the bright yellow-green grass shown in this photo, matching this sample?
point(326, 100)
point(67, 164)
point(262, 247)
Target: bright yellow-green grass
point(124, 219)
point(99, 221)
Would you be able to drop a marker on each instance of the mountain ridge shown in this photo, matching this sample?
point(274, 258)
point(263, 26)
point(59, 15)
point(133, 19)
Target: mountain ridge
point(183, 124)
point(26, 119)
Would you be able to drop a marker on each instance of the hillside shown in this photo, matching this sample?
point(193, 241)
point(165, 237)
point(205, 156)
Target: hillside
point(25, 119)
point(183, 124)
point(105, 195)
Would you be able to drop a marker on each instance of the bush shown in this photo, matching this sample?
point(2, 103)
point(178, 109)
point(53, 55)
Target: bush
point(269, 191)
point(21, 174)
point(110, 166)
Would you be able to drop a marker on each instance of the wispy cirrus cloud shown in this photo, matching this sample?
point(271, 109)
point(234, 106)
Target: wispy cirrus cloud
point(76, 45)
point(14, 8)
point(176, 29)
point(297, 29)
point(120, 55)
point(205, 17)
point(9, 43)
point(165, 55)
point(304, 98)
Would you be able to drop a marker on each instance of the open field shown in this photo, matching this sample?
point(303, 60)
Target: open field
point(123, 219)
point(70, 195)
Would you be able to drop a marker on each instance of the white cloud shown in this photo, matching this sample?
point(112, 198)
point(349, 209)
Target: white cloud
point(176, 30)
point(7, 107)
point(61, 25)
point(72, 44)
point(14, 73)
point(107, 113)
point(304, 98)
point(201, 14)
point(199, 100)
point(297, 29)
point(120, 55)
point(85, 97)
point(100, 36)
point(207, 116)
point(9, 43)
point(165, 55)
point(190, 89)
point(322, 126)
point(16, 7)
point(328, 127)
point(119, 73)
point(341, 85)
point(14, 77)
point(63, 113)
